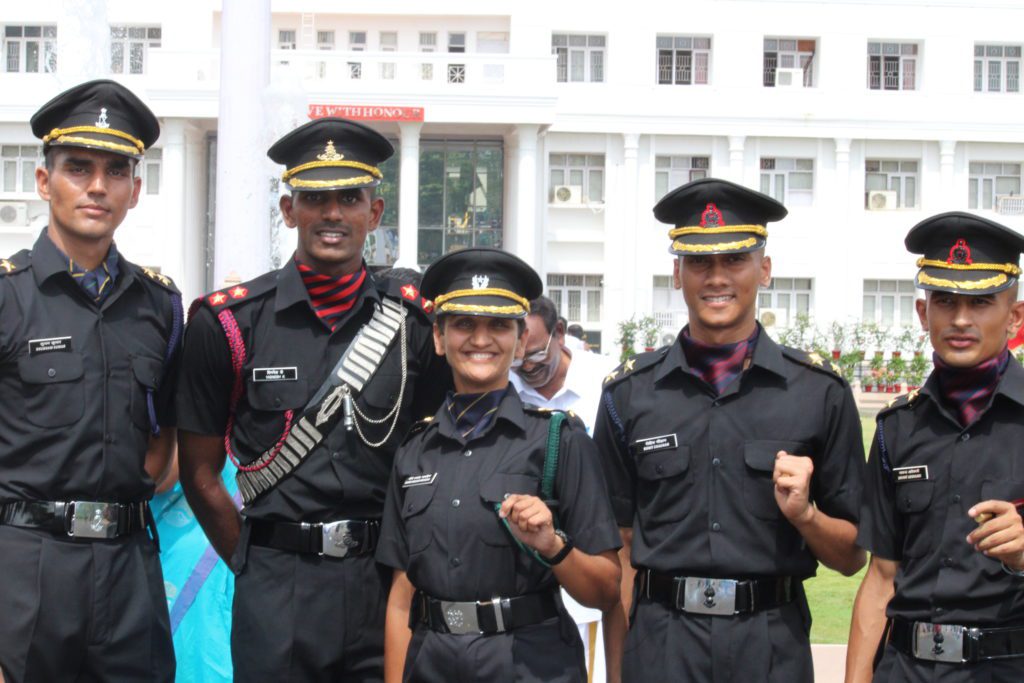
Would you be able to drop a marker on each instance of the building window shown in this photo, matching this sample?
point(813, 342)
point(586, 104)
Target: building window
point(897, 179)
point(668, 304)
point(577, 297)
point(788, 296)
point(428, 43)
point(286, 39)
point(388, 43)
point(18, 167)
point(790, 181)
point(149, 170)
point(356, 43)
point(992, 184)
point(789, 62)
point(129, 46)
point(461, 196)
point(889, 303)
point(683, 60)
point(457, 45)
point(997, 68)
point(580, 57)
point(30, 49)
point(671, 172)
point(892, 66)
point(582, 174)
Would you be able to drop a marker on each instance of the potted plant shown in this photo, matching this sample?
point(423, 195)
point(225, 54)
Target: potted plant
point(848, 365)
point(838, 340)
point(877, 368)
point(649, 329)
point(896, 369)
point(916, 370)
point(859, 337)
point(628, 330)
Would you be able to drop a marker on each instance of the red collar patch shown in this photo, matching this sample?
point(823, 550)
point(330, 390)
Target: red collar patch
point(960, 253)
point(217, 298)
point(238, 292)
point(410, 292)
point(427, 304)
point(711, 217)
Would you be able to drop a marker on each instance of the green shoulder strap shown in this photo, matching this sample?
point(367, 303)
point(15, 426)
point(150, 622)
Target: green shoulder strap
point(547, 484)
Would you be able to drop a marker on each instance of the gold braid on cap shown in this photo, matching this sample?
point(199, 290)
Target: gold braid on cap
point(925, 279)
point(490, 291)
point(1007, 268)
point(63, 135)
point(706, 248)
point(333, 164)
point(340, 182)
point(681, 230)
point(477, 308)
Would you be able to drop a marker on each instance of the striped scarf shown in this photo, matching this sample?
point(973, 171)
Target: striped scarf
point(717, 364)
point(472, 413)
point(968, 390)
point(98, 283)
point(331, 297)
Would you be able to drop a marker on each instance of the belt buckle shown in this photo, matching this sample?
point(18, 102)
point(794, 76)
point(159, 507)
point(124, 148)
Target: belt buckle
point(708, 596)
point(91, 520)
point(337, 539)
point(460, 617)
point(939, 642)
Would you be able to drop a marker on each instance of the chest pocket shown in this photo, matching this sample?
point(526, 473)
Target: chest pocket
point(146, 373)
point(759, 462)
point(662, 485)
point(914, 504)
point(493, 491)
point(54, 388)
point(261, 424)
point(418, 532)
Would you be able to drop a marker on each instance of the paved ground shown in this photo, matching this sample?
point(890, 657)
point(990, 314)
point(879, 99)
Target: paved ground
point(829, 663)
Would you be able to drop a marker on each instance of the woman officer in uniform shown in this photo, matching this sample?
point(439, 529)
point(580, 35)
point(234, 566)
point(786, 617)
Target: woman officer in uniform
point(478, 552)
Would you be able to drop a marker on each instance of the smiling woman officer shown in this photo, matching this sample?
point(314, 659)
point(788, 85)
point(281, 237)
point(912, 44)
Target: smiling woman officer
point(471, 525)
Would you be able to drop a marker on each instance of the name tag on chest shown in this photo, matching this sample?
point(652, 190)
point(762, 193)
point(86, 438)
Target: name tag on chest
point(275, 374)
point(915, 473)
point(655, 443)
point(419, 480)
point(49, 345)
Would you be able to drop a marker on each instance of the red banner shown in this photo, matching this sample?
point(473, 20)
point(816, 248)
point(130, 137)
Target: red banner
point(366, 112)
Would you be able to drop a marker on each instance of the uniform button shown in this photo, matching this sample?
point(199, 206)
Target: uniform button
point(456, 502)
point(336, 455)
point(110, 373)
point(455, 562)
point(716, 462)
point(659, 469)
point(108, 438)
point(966, 436)
point(468, 452)
point(947, 562)
point(408, 508)
point(956, 498)
point(51, 373)
point(277, 402)
point(716, 526)
point(939, 610)
point(906, 503)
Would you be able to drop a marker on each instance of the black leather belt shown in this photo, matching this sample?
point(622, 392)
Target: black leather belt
point(497, 615)
point(955, 644)
point(721, 597)
point(343, 538)
point(76, 518)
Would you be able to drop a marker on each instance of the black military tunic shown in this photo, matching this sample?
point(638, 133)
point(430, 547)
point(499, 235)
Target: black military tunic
point(447, 537)
point(918, 517)
point(74, 376)
point(300, 616)
point(691, 472)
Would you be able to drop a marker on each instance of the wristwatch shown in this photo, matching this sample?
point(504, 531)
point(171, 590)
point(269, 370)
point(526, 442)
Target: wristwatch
point(566, 548)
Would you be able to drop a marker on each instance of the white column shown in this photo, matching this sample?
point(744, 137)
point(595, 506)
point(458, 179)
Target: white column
point(841, 187)
point(736, 152)
point(409, 196)
point(628, 222)
point(242, 240)
point(947, 157)
point(524, 233)
point(173, 191)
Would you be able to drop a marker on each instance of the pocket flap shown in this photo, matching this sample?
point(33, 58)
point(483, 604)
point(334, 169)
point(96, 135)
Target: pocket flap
point(277, 396)
point(914, 496)
point(1006, 490)
point(662, 464)
point(416, 499)
point(760, 455)
point(497, 487)
point(50, 368)
point(147, 371)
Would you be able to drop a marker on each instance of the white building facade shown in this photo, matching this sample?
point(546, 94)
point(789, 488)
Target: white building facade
point(551, 129)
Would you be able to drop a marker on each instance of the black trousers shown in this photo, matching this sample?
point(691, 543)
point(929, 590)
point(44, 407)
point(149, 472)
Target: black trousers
point(897, 667)
point(307, 618)
point(79, 610)
point(770, 646)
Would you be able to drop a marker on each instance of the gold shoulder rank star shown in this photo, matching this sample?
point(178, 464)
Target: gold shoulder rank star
point(816, 359)
point(628, 367)
point(912, 395)
point(152, 274)
point(611, 375)
point(7, 265)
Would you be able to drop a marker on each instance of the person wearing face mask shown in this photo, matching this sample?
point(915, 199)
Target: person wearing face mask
point(554, 375)
point(942, 599)
point(478, 542)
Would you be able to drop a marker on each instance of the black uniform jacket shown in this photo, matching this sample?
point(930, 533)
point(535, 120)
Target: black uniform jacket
point(440, 523)
point(74, 377)
point(289, 354)
point(691, 472)
point(917, 494)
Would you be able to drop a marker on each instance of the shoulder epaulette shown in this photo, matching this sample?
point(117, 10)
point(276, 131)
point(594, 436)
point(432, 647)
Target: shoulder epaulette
point(902, 401)
point(548, 412)
point(812, 360)
point(408, 293)
point(246, 291)
point(418, 426)
point(635, 364)
point(159, 278)
point(19, 261)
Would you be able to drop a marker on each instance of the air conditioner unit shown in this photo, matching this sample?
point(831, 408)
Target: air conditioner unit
point(789, 78)
point(1010, 204)
point(13, 214)
point(880, 200)
point(773, 318)
point(567, 194)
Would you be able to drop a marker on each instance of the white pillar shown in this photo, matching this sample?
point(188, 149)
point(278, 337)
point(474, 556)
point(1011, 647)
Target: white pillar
point(524, 232)
point(736, 152)
point(841, 188)
point(947, 157)
point(409, 196)
point(242, 239)
point(173, 191)
point(628, 222)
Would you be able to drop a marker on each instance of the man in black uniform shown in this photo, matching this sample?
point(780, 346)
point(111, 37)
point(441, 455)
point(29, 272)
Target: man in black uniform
point(736, 462)
point(308, 377)
point(87, 345)
point(946, 475)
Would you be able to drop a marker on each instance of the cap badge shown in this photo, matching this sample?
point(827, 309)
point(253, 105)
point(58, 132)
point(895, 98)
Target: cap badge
point(712, 217)
point(480, 281)
point(960, 253)
point(330, 154)
point(101, 122)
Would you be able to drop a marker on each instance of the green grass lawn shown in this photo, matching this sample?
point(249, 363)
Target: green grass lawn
point(830, 594)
